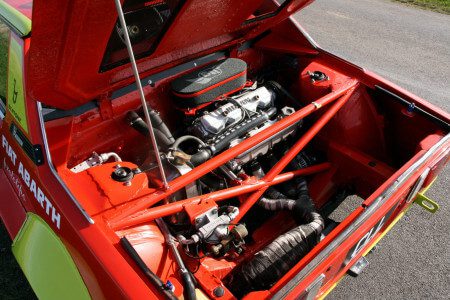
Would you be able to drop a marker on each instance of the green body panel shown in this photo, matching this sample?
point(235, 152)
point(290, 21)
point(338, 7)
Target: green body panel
point(46, 262)
point(20, 23)
point(4, 48)
point(16, 95)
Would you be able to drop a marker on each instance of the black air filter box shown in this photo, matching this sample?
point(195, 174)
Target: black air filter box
point(210, 82)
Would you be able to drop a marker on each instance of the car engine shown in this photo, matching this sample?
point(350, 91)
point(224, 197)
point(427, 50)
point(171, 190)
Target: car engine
point(220, 108)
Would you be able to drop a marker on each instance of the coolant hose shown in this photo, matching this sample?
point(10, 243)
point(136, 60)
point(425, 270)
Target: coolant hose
point(281, 89)
point(198, 158)
point(162, 133)
point(152, 277)
point(159, 124)
point(189, 286)
point(276, 259)
point(184, 138)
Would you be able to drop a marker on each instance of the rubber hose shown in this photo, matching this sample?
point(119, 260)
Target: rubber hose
point(188, 285)
point(213, 182)
point(162, 133)
point(200, 157)
point(281, 89)
point(299, 186)
point(162, 138)
point(276, 259)
point(159, 124)
point(137, 123)
point(277, 204)
point(152, 277)
point(184, 138)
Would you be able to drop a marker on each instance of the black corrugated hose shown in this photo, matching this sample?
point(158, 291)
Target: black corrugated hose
point(276, 259)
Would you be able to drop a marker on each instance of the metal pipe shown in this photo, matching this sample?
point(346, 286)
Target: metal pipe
point(176, 207)
point(149, 274)
point(189, 287)
point(141, 91)
point(293, 151)
point(220, 159)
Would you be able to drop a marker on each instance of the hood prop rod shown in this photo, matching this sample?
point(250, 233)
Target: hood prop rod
point(127, 42)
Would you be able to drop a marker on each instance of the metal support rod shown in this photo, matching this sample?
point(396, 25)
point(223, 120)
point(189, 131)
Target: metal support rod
point(189, 286)
point(247, 187)
point(141, 91)
point(293, 151)
point(220, 159)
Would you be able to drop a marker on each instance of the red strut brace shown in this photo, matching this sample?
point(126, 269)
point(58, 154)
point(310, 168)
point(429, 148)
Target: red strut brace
point(217, 161)
point(176, 207)
point(298, 146)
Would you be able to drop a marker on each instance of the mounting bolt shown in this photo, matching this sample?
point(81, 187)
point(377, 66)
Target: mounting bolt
point(219, 291)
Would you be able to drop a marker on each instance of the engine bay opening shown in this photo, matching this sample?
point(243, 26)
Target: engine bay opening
point(259, 150)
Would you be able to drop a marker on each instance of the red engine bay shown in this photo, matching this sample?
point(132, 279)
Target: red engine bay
point(267, 148)
point(319, 136)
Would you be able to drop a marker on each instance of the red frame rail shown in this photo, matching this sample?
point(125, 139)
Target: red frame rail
point(289, 156)
point(249, 186)
point(125, 214)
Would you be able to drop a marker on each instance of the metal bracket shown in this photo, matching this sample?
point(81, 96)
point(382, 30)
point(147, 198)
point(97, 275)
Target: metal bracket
point(426, 203)
point(358, 267)
point(418, 186)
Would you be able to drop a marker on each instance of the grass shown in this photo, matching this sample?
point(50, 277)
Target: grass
point(442, 6)
point(13, 284)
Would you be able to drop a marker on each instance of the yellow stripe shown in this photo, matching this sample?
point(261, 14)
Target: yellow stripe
point(326, 293)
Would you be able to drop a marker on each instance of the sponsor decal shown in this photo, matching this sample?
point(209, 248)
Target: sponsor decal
point(16, 97)
point(15, 179)
point(206, 76)
point(368, 237)
point(27, 182)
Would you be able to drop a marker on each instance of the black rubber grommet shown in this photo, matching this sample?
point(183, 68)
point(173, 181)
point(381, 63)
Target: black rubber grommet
point(219, 291)
point(122, 174)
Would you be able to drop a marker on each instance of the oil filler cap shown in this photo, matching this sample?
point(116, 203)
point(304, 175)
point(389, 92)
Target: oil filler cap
point(122, 174)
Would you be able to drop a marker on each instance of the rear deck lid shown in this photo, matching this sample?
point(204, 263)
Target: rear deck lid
point(77, 53)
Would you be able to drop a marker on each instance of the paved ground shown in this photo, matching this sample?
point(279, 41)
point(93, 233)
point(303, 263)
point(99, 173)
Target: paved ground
point(13, 284)
point(410, 47)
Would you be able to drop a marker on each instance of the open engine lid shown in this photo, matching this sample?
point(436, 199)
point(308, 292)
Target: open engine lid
point(77, 54)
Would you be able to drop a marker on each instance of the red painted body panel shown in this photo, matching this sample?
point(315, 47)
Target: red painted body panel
point(11, 210)
point(70, 76)
point(352, 130)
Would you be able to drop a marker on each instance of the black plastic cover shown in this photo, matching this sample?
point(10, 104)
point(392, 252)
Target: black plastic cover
point(210, 82)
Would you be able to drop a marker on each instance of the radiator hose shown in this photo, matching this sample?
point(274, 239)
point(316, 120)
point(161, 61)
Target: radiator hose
point(276, 259)
point(162, 132)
